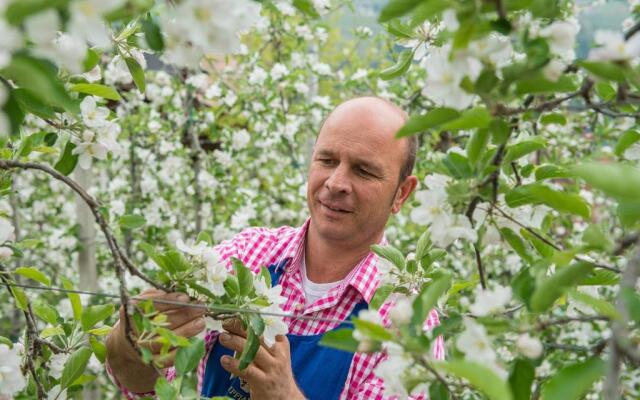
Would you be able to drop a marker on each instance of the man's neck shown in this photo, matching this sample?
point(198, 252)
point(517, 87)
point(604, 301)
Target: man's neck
point(329, 261)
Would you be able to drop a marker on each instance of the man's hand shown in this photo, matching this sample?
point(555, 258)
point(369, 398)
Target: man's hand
point(269, 375)
point(125, 362)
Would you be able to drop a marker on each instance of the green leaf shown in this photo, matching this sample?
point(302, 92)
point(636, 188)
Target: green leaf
point(396, 8)
point(22, 302)
point(74, 367)
point(94, 314)
point(102, 331)
point(17, 11)
point(380, 296)
point(601, 306)
point(68, 161)
point(551, 171)
point(428, 298)
point(203, 236)
point(538, 84)
point(618, 180)
point(95, 89)
point(29, 102)
point(46, 313)
point(600, 277)
point(150, 252)
point(553, 118)
point(34, 274)
point(426, 10)
point(390, 253)
point(500, 131)
point(628, 212)
point(256, 323)
point(423, 245)
point(398, 29)
point(175, 260)
point(605, 90)
point(479, 376)
point(188, 358)
point(433, 256)
point(521, 379)
point(605, 70)
point(477, 144)
point(306, 7)
point(573, 382)
point(516, 243)
point(541, 194)
point(250, 349)
point(596, 239)
point(626, 140)
point(521, 149)
point(137, 73)
point(458, 165)
point(399, 68)
point(91, 60)
point(421, 123)
point(40, 78)
point(549, 290)
point(153, 35)
point(477, 117)
point(244, 275)
point(74, 299)
point(99, 349)
point(372, 330)
point(523, 286)
point(165, 390)
point(341, 339)
point(131, 221)
point(631, 299)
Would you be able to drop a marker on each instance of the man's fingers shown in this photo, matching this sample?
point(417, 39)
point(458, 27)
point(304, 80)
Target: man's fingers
point(180, 316)
point(234, 326)
point(251, 374)
point(171, 297)
point(263, 358)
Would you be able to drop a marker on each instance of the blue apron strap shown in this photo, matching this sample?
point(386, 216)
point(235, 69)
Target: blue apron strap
point(276, 270)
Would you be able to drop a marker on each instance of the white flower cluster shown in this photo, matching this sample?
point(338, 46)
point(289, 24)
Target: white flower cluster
point(476, 346)
point(99, 137)
point(6, 235)
point(491, 301)
point(613, 46)
point(561, 36)
point(214, 275)
point(435, 211)
point(396, 370)
point(195, 28)
point(11, 378)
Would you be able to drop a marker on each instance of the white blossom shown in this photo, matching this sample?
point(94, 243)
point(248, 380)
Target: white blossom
point(56, 393)
point(273, 325)
point(42, 28)
point(86, 20)
point(450, 20)
point(529, 346)
point(633, 152)
point(93, 116)
point(613, 47)
point(475, 343)
point(444, 76)
point(561, 36)
point(491, 301)
point(278, 71)
point(10, 40)
point(392, 370)
point(6, 231)
point(241, 139)
point(56, 364)
point(257, 76)
point(402, 310)
point(11, 378)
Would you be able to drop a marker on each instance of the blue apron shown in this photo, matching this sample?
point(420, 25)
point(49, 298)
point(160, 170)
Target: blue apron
point(320, 372)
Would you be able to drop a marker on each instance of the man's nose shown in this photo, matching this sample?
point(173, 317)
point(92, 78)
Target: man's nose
point(338, 181)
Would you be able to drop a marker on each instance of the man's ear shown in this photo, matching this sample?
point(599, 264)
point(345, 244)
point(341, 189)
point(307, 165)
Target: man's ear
point(404, 191)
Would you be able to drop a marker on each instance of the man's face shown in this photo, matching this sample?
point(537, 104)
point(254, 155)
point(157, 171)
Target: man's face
point(354, 175)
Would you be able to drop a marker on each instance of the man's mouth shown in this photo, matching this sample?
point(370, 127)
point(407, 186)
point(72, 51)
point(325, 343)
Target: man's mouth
point(335, 207)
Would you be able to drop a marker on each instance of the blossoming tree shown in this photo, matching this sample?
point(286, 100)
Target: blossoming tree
point(523, 234)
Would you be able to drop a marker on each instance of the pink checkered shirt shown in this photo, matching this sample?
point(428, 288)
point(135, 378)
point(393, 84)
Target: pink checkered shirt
point(258, 247)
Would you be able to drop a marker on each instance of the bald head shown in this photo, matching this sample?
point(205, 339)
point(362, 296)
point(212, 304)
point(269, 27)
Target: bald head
point(380, 117)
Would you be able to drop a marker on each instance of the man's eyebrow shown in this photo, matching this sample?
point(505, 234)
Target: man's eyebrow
point(325, 152)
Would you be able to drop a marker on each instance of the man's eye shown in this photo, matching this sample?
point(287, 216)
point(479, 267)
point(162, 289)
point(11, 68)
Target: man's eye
point(365, 172)
point(325, 161)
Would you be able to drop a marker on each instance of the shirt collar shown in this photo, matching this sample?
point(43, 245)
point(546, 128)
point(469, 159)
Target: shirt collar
point(363, 277)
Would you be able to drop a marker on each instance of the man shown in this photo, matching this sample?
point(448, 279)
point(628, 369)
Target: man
point(359, 175)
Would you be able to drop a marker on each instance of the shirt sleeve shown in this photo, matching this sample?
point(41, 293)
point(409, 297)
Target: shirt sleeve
point(371, 386)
